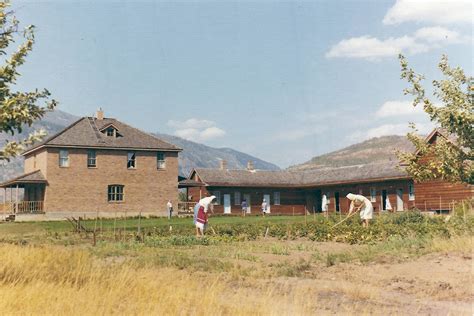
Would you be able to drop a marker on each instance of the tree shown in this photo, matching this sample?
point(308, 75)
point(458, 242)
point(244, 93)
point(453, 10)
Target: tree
point(451, 156)
point(18, 109)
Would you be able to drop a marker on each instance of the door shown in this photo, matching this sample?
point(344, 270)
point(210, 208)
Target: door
point(399, 199)
point(249, 203)
point(384, 200)
point(266, 197)
point(227, 207)
point(337, 202)
point(319, 200)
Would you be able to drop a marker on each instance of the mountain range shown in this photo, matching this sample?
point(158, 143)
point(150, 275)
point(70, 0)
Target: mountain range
point(193, 154)
point(374, 150)
point(371, 151)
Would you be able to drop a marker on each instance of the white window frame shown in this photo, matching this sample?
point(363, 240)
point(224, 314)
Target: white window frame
point(129, 159)
point(276, 198)
point(112, 130)
point(237, 198)
point(64, 158)
point(160, 163)
point(114, 195)
point(411, 192)
point(373, 194)
point(90, 159)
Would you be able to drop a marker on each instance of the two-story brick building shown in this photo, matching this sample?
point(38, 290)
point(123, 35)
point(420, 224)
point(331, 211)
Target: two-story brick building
point(96, 164)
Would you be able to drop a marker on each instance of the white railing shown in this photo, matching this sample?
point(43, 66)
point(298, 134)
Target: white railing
point(186, 206)
point(22, 207)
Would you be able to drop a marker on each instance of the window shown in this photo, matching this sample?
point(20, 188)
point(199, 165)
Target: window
point(115, 193)
point(217, 194)
point(276, 198)
point(63, 158)
point(160, 160)
point(110, 131)
point(91, 159)
point(131, 159)
point(237, 199)
point(373, 195)
point(411, 192)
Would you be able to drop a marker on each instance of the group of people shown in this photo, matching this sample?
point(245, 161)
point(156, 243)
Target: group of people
point(359, 203)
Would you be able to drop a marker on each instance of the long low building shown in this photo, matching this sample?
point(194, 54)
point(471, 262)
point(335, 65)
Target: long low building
point(387, 185)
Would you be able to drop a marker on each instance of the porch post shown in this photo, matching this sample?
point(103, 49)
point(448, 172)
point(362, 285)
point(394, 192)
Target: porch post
point(16, 198)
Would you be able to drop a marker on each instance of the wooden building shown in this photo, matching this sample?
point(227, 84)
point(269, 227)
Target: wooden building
point(294, 192)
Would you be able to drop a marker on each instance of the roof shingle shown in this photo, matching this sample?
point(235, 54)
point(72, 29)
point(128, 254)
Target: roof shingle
point(317, 177)
point(86, 133)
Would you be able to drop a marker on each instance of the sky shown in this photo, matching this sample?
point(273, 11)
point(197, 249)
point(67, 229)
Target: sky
point(281, 80)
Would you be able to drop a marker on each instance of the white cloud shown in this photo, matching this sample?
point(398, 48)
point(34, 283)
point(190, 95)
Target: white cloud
point(398, 108)
point(431, 11)
point(212, 132)
point(368, 47)
point(439, 35)
point(197, 130)
point(372, 48)
point(191, 123)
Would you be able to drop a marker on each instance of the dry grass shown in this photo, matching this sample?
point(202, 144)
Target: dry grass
point(72, 282)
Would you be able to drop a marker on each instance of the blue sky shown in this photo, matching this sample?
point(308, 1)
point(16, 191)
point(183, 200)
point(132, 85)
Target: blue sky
point(284, 81)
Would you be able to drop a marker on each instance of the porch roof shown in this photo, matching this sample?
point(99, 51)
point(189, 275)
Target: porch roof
point(188, 183)
point(27, 178)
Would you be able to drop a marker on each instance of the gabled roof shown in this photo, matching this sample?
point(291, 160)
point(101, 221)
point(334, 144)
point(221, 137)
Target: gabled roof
point(85, 133)
point(31, 177)
point(300, 179)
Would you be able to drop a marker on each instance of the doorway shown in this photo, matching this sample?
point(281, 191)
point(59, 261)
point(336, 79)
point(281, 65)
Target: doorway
point(249, 202)
point(266, 197)
point(319, 200)
point(384, 200)
point(337, 202)
point(399, 200)
point(227, 206)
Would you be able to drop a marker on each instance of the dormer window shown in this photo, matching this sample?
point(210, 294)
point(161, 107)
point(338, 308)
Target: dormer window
point(110, 131)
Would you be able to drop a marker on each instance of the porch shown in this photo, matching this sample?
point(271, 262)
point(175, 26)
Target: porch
point(24, 194)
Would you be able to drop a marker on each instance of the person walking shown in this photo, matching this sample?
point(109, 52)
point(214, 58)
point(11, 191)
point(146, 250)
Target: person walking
point(169, 207)
point(362, 204)
point(264, 207)
point(244, 206)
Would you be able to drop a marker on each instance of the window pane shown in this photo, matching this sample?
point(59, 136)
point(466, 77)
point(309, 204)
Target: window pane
point(131, 160)
point(276, 198)
point(91, 158)
point(237, 198)
point(115, 193)
point(63, 158)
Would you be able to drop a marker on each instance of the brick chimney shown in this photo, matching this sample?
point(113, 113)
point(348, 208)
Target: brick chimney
point(223, 164)
point(99, 114)
point(250, 166)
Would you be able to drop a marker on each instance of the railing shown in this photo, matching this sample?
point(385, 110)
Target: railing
point(22, 207)
point(186, 206)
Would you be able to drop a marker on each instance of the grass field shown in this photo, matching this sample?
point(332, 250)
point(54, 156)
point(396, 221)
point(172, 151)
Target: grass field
point(405, 264)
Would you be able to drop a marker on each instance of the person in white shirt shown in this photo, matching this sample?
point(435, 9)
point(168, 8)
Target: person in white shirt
point(264, 207)
point(362, 204)
point(169, 207)
point(324, 204)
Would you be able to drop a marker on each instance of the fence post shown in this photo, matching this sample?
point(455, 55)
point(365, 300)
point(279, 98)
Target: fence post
point(139, 222)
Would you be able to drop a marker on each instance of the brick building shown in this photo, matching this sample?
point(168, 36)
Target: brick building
point(96, 164)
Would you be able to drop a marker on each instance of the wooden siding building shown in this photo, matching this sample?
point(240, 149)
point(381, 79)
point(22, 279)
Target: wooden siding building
point(294, 192)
